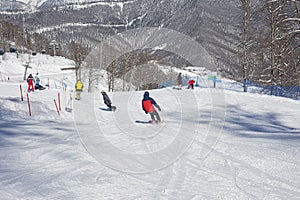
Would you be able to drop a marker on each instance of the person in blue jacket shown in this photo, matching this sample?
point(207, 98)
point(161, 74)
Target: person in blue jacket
point(148, 106)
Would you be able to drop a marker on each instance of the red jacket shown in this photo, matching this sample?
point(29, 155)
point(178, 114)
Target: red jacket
point(30, 80)
point(191, 82)
point(148, 106)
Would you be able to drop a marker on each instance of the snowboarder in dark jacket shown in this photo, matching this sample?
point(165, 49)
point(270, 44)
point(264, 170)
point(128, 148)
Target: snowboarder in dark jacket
point(107, 101)
point(148, 106)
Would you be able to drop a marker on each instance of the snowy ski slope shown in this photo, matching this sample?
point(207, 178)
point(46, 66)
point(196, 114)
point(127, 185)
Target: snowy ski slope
point(212, 144)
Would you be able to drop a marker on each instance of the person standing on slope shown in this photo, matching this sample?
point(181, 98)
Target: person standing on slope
point(78, 89)
point(36, 77)
point(148, 106)
point(179, 80)
point(30, 81)
point(37, 81)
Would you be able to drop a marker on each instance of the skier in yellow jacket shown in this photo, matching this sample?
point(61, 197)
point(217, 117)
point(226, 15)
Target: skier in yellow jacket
point(78, 89)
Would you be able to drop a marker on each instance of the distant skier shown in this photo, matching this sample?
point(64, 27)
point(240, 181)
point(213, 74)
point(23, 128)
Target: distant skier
point(78, 89)
point(36, 77)
point(179, 80)
point(107, 101)
point(37, 85)
point(37, 80)
point(148, 106)
point(191, 84)
point(30, 81)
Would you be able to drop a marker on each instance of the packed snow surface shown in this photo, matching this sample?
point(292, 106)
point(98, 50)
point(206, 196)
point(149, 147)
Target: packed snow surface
point(212, 144)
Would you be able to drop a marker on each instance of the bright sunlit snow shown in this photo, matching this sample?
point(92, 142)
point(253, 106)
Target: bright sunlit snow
point(213, 143)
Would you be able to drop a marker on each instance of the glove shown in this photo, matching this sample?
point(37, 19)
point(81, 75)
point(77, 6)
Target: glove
point(158, 108)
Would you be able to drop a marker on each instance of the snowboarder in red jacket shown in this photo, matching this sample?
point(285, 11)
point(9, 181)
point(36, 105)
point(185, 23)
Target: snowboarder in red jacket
point(148, 106)
point(30, 81)
point(191, 84)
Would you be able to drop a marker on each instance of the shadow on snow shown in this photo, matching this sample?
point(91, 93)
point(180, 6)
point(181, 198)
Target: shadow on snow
point(243, 123)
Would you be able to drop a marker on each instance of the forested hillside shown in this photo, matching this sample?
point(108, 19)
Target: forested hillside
point(247, 39)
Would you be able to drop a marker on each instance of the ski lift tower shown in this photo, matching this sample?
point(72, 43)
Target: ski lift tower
point(26, 67)
point(53, 45)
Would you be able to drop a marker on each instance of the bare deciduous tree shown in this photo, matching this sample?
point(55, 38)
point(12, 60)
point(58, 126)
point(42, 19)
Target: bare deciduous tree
point(246, 6)
point(78, 54)
point(284, 23)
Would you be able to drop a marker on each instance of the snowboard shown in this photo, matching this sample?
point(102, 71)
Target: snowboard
point(147, 122)
point(39, 87)
point(113, 109)
point(68, 109)
point(143, 122)
point(177, 88)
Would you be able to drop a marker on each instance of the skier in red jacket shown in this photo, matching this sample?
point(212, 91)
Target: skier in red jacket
point(148, 106)
point(30, 81)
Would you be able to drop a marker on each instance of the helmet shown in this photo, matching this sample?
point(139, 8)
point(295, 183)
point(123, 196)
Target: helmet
point(146, 94)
